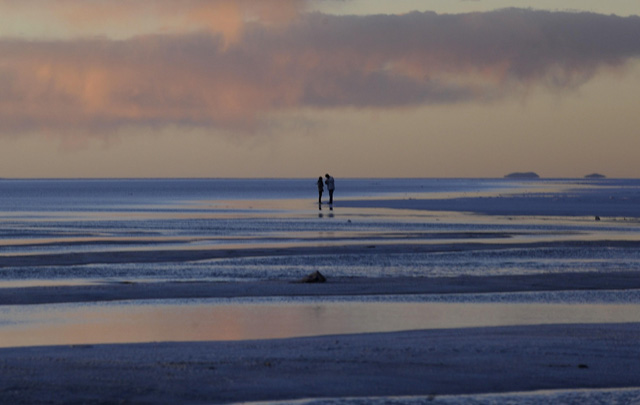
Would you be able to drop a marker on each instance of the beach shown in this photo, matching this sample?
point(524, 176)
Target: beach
point(451, 292)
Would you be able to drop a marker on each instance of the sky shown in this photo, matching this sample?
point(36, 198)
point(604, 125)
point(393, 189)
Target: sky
point(299, 88)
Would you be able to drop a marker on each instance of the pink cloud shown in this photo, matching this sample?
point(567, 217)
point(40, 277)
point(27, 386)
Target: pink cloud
point(319, 61)
point(113, 18)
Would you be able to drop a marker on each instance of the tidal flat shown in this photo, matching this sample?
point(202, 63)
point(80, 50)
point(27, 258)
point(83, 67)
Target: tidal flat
point(164, 291)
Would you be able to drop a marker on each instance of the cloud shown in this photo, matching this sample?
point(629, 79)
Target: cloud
point(123, 19)
point(203, 79)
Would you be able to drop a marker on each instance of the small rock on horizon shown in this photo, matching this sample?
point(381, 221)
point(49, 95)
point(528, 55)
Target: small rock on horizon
point(522, 175)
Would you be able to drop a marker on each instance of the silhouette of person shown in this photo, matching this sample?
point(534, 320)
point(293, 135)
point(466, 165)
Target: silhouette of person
point(330, 182)
point(320, 190)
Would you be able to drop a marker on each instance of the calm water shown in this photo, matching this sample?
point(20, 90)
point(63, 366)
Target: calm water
point(272, 318)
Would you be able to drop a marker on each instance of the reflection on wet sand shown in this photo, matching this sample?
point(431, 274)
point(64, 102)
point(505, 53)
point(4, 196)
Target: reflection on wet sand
point(203, 320)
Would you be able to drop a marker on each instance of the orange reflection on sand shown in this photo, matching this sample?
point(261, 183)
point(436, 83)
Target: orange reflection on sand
point(133, 323)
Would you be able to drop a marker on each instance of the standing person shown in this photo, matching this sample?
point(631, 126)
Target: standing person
point(330, 186)
point(320, 190)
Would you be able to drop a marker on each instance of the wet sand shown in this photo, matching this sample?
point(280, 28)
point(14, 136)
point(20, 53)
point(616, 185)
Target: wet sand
point(406, 364)
point(345, 286)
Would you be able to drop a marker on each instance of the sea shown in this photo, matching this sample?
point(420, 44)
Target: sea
point(62, 233)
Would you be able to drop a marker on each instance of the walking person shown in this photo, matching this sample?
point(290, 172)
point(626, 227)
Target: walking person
point(330, 182)
point(320, 190)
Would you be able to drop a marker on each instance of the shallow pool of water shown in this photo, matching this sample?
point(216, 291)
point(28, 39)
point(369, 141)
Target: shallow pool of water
point(211, 320)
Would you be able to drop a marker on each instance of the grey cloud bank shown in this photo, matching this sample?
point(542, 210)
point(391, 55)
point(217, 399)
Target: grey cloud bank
point(317, 61)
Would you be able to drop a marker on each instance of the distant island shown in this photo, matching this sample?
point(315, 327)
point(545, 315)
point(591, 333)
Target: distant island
point(522, 175)
point(595, 176)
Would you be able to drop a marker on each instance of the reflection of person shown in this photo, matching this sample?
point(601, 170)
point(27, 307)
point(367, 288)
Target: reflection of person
point(330, 186)
point(320, 190)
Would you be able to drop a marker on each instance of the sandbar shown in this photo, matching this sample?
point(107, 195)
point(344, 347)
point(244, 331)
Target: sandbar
point(338, 286)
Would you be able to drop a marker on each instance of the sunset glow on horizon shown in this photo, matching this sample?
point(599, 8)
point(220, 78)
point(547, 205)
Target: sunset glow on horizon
point(295, 88)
